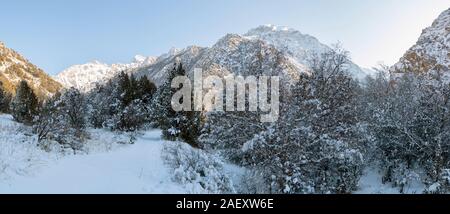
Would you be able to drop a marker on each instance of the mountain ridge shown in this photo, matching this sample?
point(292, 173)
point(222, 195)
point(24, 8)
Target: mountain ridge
point(15, 68)
point(288, 45)
point(431, 53)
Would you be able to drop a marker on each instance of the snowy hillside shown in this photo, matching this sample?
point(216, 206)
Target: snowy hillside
point(84, 77)
point(15, 68)
point(105, 165)
point(432, 50)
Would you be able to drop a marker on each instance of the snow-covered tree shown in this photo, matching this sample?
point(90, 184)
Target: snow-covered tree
point(146, 90)
point(62, 118)
point(122, 104)
point(408, 117)
point(315, 145)
point(25, 104)
point(48, 120)
point(182, 125)
point(74, 106)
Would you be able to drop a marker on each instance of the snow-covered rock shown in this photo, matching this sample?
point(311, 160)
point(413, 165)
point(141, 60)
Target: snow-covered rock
point(431, 53)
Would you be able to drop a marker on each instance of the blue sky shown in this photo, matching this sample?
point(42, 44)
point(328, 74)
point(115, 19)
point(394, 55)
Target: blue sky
point(55, 34)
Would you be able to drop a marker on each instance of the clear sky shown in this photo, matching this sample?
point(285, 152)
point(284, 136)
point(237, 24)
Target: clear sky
point(55, 34)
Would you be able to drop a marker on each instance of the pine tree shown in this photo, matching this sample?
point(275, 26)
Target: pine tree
point(125, 88)
point(183, 125)
point(5, 99)
point(146, 89)
point(124, 103)
point(25, 104)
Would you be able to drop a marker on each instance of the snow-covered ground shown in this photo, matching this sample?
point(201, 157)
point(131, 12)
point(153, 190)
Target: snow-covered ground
point(131, 169)
point(106, 168)
point(371, 183)
point(150, 165)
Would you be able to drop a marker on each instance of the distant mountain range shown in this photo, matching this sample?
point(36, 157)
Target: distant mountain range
point(85, 77)
point(264, 50)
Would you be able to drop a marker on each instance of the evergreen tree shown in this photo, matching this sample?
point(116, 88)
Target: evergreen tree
point(125, 89)
point(121, 104)
point(24, 105)
point(146, 89)
point(183, 125)
point(5, 99)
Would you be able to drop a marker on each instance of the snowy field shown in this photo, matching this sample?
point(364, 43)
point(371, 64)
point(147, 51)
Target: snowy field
point(107, 167)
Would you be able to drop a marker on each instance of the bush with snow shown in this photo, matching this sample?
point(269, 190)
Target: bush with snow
point(19, 153)
point(197, 170)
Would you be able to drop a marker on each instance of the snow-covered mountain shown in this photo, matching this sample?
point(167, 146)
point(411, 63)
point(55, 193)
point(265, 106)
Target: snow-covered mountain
point(232, 54)
point(297, 45)
point(290, 41)
point(84, 77)
point(15, 68)
point(431, 53)
point(264, 50)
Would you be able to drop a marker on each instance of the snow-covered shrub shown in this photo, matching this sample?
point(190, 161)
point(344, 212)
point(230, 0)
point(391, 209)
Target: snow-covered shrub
point(197, 170)
point(227, 132)
point(62, 119)
point(304, 165)
point(122, 104)
point(18, 149)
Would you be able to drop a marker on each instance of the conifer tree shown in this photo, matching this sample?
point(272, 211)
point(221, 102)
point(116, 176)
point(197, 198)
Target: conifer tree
point(5, 99)
point(25, 104)
point(146, 89)
point(183, 125)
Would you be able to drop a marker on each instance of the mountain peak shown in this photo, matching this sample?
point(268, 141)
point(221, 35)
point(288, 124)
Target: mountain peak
point(272, 28)
point(96, 62)
point(85, 77)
